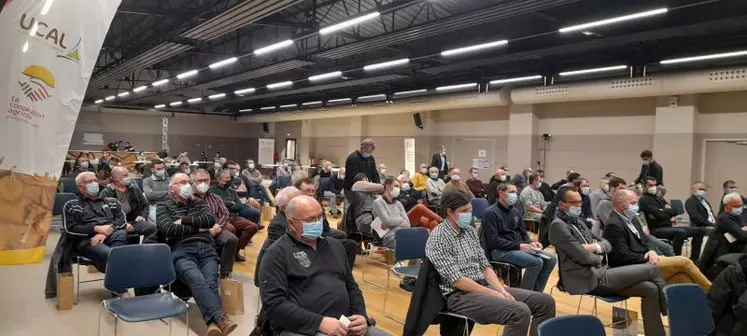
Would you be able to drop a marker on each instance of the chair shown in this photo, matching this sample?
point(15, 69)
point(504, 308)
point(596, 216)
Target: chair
point(571, 325)
point(60, 199)
point(409, 245)
point(78, 260)
point(505, 270)
point(678, 206)
point(689, 313)
point(467, 320)
point(479, 205)
point(142, 266)
point(68, 185)
point(139, 182)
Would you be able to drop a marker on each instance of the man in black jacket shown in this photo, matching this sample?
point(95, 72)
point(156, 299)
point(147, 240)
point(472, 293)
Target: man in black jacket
point(568, 178)
point(728, 300)
point(361, 161)
point(698, 209)
point(134, 204)
point(440, 161)
point(730, 222)
point(650, 168)
point(545, 188)
point(660, 216)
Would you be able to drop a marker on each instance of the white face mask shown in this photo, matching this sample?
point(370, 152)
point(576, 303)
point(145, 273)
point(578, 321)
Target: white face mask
point(394, 193)
point(202, 187)
point(652, 190)
point(455, 177)
point(405, 186)
point(383, 171)
point(424, 171)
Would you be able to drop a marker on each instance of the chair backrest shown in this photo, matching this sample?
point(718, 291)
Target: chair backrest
point(586, 325)
point(60, 199)
point(678, 206)
point(479, 205)
point(68, 185)
point(139, 182)
point(133, 266)
point(410, 243)
point(689, 313)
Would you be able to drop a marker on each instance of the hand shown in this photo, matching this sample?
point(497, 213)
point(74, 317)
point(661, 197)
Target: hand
point(106, 230)
point(97, 239)
point(358, 325)
point(590, 247)
point(332, 327)
point(504, 293)
point(139, 219)
point(744, 228)
point(652, 257)
point(129, 227)
point(537, 245)
point(178, 221)
point(526, 248)
point(215, 230)
point(645, 229)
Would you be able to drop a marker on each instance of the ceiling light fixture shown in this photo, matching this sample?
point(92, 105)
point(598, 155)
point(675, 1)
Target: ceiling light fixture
point(217, 96)
point(184, 75)
point(341, 100)
point(244, 91)
point(273, 47)
point(371, 97)
point(403, 93)
point(516, 79)
point(110, 98)
point(246, 110)
point(194, 100)
point(312, 103)
point(463, 50)
point(325, 76)
point(389, 64)
point(140, 88)
point(279, 85)
point(160, 82)
point(288, 106)
point(176, 103)
point(348, 23)
point(704, 57)
point(267, 108)
point(613, 20)
point(123, 94)
point(456, 87)
point(588, 71)
point(99, 101)
point(223, 63)
point(160, 106)
point(46, 7)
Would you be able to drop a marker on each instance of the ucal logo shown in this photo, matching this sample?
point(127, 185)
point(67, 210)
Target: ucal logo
point(41, 29)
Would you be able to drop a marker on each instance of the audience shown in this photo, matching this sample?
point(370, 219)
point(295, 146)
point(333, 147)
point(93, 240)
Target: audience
point(252, 183)
point(661, 217)
point(599, 194)
point(468, 282)
point(584, 187)
point(255, 193)
point(730, 222)
point(456, 183)
point(520, 180)
point(420, 178)
point(134, 204)
point(697, 207)
point(566, 180)
point(187, 225)
point(627, 238)
point(156, 186)
point(476, 187)
point(243, 218)
point(407, 196)
point(104, 177)
point(334, 191)
point(361, 162)
point(382, 172)
point(507, 241)
point(545, 188)
point(650, 168)
point(440, 162)
point(184, 168)
point(583, 270)
point(434, 187)
point(390, 212)
point(605, 207)
point(533, 200)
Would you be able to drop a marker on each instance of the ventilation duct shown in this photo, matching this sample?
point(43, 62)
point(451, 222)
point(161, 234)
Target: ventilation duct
point(239, 16)
point(705, 81)
point(412, 105)
point(157, 54)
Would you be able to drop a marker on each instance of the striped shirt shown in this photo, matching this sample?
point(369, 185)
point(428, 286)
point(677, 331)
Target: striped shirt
point(194, 214)
point(217, 207)
point(456, 253)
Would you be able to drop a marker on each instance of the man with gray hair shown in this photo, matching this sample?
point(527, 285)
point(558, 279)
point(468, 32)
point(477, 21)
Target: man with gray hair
point(277, 227)
point(134, 204)
point(361, 161)
point(730, 222)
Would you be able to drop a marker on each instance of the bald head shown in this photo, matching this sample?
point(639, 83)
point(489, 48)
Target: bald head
point(301, 211)
point(285, 195)
point(622, 199)
point(119, 173)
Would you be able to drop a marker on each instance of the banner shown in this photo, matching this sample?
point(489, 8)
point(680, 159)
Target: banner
point(410, 156)
point(266, 151)
point(50, 48)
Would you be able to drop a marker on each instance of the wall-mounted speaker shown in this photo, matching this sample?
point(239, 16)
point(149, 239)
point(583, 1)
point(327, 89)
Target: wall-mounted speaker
point(418, 121)
point(266, 128)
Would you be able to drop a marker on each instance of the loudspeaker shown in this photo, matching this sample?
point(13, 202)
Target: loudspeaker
point(266, 128)
point(418, 121)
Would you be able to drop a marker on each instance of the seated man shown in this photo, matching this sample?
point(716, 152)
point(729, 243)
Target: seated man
point(225, 240)
point(698, 209)
point(434, 187)
point(334, 191)
point(730, 187)
point(184, 223)
point(361, 197)
point(420, 178)
point(468, 282)
point(583, 269)
point(474, 184)
point(627, 238)
point(407, 194)
point(156, 186)
point(498, 177)
point(96, 224)
point(240, 225)
point(730, 222)
point(660, 217)
point(455, 182)
point(250, 181)
point(134, 204)
point(507, 240)
point(305, 284)
point(534, 202)
point(599, 194)
point(105, 178)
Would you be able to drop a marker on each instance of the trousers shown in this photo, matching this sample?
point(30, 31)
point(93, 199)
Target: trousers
point(682, 270)
point(537, 269)
point(333, 198)
point(243, 229)
point(226, 243)
point(196, 265)
point(371, 331)
point(99, 254)
point(678, 235)
point(144, 228)
point(421, 216)
point(250, 213)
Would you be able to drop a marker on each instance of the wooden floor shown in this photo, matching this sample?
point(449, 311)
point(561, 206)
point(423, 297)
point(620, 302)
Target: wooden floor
point(398, 300)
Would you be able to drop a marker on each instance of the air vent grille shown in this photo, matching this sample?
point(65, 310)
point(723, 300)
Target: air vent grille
point(727, 75)
point(631, 83)
point(551, 90)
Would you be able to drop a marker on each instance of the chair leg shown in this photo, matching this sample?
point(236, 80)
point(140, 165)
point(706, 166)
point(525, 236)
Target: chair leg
point(116, 319)
point(169, 323)
point(77, 282)
point(594, 307)
point(386, 290)
point(187, 313)
point(98, 326)
point(466, 327)
point(578, 309)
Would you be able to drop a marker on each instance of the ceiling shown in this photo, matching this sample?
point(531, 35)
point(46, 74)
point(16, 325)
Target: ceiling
point(159, 40)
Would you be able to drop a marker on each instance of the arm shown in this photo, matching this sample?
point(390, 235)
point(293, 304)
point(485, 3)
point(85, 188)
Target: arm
point(73, 221)
point(732, 228)
point(273, 283)
point(199, 216)
point(167, 227)
point(558, 184)
point(232, 201)
point(491, 227)
point(640, 175)
point(562, 238)
point(650, 208)
point(275, 230)
point(221, 213)
point(691, 207)
point(368, 187)
point(119, 220)
point(255, 176)
point(150, 194)
point(379, 210)
point(615, 234)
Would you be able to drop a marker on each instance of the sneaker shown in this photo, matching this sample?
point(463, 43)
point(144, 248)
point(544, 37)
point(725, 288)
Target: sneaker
point(226, 324)
point(213, 330)
point(239, 258)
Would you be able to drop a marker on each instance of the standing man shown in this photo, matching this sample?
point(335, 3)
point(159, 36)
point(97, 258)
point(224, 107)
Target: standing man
point(564, 181)
point(545, 188)
point(361, 161)
point(441, 162)
point(698, 209)
point(650, 168)
point(134, 204)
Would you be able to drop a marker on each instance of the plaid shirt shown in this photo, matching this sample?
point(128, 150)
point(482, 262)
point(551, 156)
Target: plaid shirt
point(217, 207)
point(455, 253)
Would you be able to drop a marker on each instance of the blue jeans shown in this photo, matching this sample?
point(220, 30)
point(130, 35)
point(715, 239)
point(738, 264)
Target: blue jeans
point(250, 213)
point(332, 201)
point(196, 265)
point(99, 254)
point(660, 247)
point(537, 269)
point(259, 193)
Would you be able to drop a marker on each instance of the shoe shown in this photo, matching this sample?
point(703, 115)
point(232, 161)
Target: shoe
point(239, 257)
point(250, 243)
point(226, 324)
point(213, 330)
point(261, 227)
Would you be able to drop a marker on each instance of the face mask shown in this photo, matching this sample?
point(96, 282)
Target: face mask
point(585, 190)
point(733, 190)
point(456, 177)
point(575, 211)
point(405, 186)
point(631, 211)
point(365, 155)
point(233, 173)
point(645, 162)
point(94, 162)
point(342, 177)
point(474, 175)
point(434, 176)
point(185, 191)
point(217, 165)
point(424, 171)
point(383, 171)
point(159, 173)
point(464, 220)
point(652, 190)
point(313, 230)
point(394, 193)
point(92, 188)
point(737, 211)
point(84, 164)
point(606, 188)
point(512, 198)
point(503, 178)
point(251, 166)
point(700, 193)
point(538, 185)
point(202, 187)
point(126, 181)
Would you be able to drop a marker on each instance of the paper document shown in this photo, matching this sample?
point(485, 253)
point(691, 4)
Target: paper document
point(730, 238)
point(376, 226)
point(344, 321)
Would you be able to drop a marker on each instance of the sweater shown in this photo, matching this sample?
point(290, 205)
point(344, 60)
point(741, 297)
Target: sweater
point(230, 198)
point(392, 214)
point(156, 190)
point(504, 228)
point(459, 186)
point(418, 181)
point(434, 190)
point(476, 187)
point(196, 218)
point(355, 164)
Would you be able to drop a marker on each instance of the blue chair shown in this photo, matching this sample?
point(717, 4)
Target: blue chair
point(479, 205)
point(60, 199)
point(68, 185)
point(78, 260)
point(586, 325)
point(142, 266)
point(689, 313)
point(678, 206)
point(409, 245)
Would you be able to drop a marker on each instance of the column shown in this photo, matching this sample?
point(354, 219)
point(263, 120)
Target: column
point(523, 140)
point(355, 133)
point(304, 143)
point(674, 143)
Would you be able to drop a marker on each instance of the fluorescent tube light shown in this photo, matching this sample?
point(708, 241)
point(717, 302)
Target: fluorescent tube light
point(613, 20)
point(223, 63)
point(160, 82)
point(194, 100)
point(312, 103)
point(348, 23)
point(376, 96)
point(244, 91)
point(516, 79)
point(184, 75)
point(99, 101)
point(267, 108)
point(273, 47)
point(217, 96)
point(245, 110)
point(463, 50)
point(704, 57)
point(587, 71)
point(140, 88)
point(160, 106)
point(123, 94)
point(325, 76)
point(456, 87)
point(288, 105)
point(45, 8)
point(389, 64)
point(110, 98)
point(403, 93)
point(341, 100)
point(279, 85)
point(176, 103)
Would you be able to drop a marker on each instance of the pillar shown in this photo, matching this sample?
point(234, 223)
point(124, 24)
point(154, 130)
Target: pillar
point(674, 143)
point(523, 140)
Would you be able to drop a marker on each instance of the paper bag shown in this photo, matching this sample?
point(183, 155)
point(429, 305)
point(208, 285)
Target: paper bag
point(624, 322)
point(232, 296)
point(267, 214)
point(64, 291)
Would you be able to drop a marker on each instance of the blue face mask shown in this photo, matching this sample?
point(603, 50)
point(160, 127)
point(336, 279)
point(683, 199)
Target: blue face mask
point(575, 211)
point(632, 211)
point(434, 176)
point(737, 211)
point(313, 230)
point(512, 198)
point(92, 188)
point(464, 220)
point(733, 190)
